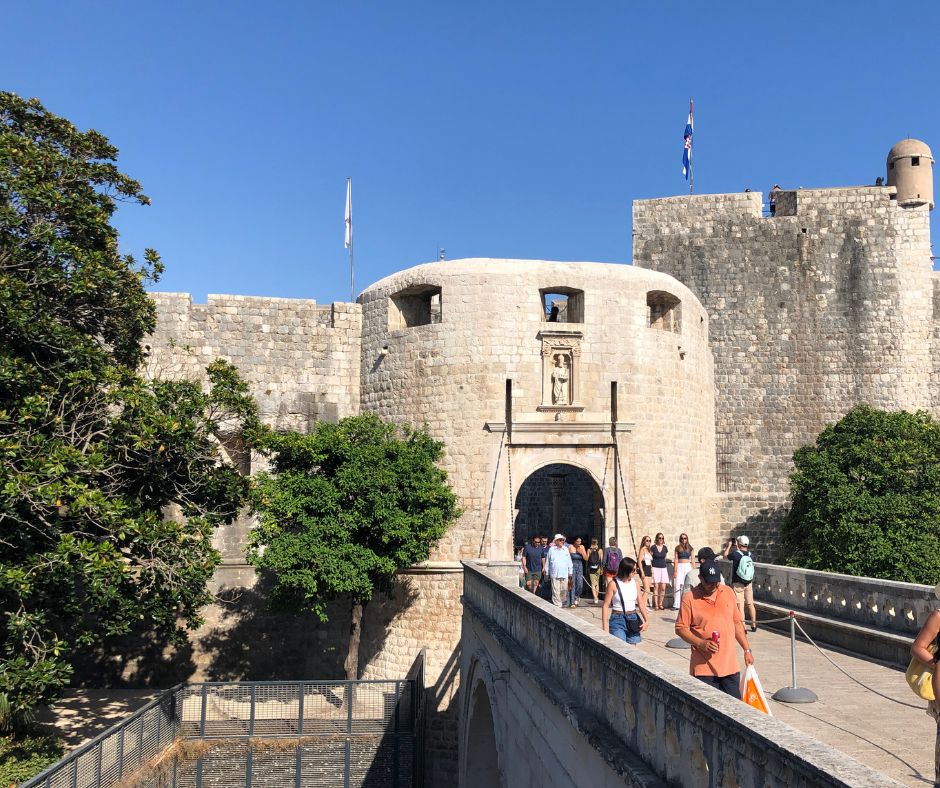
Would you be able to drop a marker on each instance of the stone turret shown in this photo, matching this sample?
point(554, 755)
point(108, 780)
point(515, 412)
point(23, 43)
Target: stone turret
point(910, 168)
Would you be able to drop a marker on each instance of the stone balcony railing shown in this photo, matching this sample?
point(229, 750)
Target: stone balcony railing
point(667, 723)
point(876, 618)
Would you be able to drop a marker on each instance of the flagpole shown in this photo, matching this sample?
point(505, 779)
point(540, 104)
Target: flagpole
point(691, 168)
point(349, 241)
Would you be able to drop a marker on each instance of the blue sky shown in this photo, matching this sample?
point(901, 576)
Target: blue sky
point(492, 129)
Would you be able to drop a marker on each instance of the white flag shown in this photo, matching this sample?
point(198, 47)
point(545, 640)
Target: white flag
point(348, 212)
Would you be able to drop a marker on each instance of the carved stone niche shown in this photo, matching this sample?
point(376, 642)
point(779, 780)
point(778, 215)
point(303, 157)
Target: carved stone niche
point(561, 356)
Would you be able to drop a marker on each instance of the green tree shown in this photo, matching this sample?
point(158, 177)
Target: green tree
point(866, 498)
point(92, 455)
point(343, 509)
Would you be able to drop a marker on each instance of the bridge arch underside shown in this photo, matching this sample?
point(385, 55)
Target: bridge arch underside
point(559, 498)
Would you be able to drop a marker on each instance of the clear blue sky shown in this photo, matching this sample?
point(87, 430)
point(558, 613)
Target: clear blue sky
point(493, 129)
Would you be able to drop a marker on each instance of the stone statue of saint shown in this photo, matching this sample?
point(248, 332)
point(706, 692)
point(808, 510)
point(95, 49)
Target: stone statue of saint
point(560, 375)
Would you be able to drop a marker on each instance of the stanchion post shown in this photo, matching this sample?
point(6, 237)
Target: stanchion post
point(793, 693)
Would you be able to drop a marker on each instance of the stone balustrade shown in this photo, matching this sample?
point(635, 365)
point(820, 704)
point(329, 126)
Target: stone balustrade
point(900, 608)
point(644, 723)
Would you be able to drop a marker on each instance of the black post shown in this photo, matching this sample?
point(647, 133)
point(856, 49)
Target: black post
point(613, 437)
point(349, 721)
point(251, 712)
point(300, 711)
point(508, 410)
point(202, 715)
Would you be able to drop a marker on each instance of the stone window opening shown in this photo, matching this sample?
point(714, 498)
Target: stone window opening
point(663, 311)
point(562, 305)
point(419, 305)
point(915, 162)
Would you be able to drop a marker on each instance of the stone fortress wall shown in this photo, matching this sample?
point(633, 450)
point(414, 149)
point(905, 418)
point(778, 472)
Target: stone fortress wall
point(732, 331)
point(824, 306)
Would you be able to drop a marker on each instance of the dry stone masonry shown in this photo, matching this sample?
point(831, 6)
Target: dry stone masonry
point(665, 396)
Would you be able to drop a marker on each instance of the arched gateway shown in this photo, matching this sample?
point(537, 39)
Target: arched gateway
point(559, 498)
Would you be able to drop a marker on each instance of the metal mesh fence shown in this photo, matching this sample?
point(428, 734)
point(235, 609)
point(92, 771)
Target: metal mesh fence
point(257, 735)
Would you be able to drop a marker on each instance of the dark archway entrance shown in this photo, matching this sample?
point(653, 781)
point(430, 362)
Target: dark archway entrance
point(559, 498)
point(482, 758)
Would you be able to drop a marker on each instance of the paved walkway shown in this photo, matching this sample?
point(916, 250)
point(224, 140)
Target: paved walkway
point(894, 739)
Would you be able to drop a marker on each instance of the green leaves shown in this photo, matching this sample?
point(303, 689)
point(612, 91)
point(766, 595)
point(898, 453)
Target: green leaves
point(345, 507)
point(866, 498)
point(93, 457)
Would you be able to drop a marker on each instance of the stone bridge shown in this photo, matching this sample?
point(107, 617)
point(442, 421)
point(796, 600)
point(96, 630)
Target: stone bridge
point(547, 700)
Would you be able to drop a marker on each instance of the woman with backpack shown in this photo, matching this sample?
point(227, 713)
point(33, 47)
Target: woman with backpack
point(623, 614)
point(594, 561)
point(660, 571)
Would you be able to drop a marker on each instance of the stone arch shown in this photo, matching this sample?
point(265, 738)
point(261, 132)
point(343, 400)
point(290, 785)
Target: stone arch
point(479, 753)
point(561, 497)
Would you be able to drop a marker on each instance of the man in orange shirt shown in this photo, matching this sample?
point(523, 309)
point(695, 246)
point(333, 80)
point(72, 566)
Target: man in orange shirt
point(712, 607)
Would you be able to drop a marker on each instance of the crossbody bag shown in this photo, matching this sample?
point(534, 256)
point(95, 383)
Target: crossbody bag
point(633, 624)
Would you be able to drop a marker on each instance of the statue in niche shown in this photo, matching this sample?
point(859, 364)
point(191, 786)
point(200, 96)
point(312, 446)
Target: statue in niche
point(561, 373)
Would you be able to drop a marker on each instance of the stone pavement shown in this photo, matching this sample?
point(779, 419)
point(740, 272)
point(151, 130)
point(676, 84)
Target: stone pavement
point(895, 739)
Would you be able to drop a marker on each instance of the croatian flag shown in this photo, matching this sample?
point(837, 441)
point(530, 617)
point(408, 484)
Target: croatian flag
point(687, 151)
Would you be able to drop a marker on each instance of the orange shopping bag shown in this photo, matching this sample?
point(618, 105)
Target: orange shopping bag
point(752, 693)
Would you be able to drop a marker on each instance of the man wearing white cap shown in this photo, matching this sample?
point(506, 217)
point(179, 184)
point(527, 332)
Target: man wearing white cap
point(742, 573)
point(560, 570)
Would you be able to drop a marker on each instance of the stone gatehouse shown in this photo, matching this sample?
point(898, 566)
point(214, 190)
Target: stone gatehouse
point(604, 400)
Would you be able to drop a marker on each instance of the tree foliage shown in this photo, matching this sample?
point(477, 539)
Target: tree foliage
point(344, 508)
point(92, 454)
point(866, 498)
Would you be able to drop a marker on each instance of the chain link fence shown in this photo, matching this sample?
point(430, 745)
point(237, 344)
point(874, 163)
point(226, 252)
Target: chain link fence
point(355, 734)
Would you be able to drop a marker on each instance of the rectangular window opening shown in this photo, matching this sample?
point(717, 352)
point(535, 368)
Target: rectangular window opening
point(420, 305)
point(563, 305)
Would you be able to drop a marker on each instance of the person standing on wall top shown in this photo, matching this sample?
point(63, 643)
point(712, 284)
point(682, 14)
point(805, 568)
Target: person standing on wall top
point(742, 574)
point(710, 622)
point(560, 570)
point(772, 198)
point(532, 564)
point(645, 559)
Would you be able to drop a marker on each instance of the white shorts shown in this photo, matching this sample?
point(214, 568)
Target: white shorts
point(661, 575)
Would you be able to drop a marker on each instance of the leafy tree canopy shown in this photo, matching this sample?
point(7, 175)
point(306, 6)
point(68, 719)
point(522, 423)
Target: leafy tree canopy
point(92, 455)
point(343, 509)
point(866, 498)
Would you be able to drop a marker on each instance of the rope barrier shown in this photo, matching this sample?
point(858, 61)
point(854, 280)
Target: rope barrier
point(849, 675)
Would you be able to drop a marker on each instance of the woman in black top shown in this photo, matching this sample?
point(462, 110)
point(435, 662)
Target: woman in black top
point(660, 571)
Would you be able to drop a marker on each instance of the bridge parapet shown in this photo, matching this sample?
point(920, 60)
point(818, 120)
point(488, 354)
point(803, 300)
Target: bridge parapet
point(869, 602)
point(540, 695)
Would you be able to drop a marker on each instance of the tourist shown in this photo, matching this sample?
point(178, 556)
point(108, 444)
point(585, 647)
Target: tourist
point(660, 571)
point(595, 560)
point(578, 557)
point(532, 564)
point(519, 549)
point(929, 636)
point(772, 199)
point(681, 566)
point(736, 550)
point(612, 556)
point(559, 569)
point(710, 622)
point(645, 559)
point(692, 578)
point(623, 613)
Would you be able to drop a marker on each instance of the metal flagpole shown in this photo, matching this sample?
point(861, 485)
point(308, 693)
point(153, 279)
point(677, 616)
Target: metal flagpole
point(691, 167)
point(349, 241)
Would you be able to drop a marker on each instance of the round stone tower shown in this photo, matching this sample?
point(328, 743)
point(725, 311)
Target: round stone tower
point(910, 169)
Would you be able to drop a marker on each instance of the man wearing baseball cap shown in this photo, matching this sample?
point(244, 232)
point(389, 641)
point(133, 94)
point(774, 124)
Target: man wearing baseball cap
point(560, 570)
point(736, 550)
point(710, 622)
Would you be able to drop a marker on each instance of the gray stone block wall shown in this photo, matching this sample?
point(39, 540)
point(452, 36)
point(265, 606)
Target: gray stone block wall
point(827, 305)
